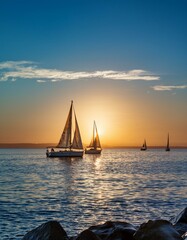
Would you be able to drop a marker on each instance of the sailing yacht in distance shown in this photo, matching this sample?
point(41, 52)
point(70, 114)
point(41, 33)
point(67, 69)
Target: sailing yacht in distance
point(70, 144)
point(95, 145)
point(144, 146)
point(167, 146)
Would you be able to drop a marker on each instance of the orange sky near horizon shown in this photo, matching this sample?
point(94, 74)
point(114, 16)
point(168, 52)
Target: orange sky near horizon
point(123, 117)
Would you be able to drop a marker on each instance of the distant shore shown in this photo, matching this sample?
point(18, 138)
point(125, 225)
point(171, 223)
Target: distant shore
point(45, 145)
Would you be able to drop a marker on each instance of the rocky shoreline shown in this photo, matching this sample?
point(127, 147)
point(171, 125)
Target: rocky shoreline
point(152, 230)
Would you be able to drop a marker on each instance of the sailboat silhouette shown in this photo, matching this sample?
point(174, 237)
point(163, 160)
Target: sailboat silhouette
point(70, 144)
point(167, 146)
point(144, 146)
point(95, 145)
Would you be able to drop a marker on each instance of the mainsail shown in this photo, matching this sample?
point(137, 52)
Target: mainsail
point(66, 137)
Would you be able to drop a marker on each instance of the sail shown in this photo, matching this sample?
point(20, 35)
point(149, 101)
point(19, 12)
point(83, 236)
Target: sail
point(167, 147)
point(95, 142)
point(77, 142)
point(65, 140)
point(145, 145)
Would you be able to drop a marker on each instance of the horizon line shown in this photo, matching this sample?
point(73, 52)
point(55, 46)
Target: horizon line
point(45, 145)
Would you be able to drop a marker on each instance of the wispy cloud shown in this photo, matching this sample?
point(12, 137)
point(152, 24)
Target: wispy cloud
point(27, 70)
point(40, 81)
point(13, 64)
point(168, 88)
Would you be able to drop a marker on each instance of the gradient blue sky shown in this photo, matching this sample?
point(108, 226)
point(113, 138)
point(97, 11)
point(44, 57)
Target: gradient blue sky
point(124, 60)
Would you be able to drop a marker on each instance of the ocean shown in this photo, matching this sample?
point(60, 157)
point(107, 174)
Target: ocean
point(119, 185)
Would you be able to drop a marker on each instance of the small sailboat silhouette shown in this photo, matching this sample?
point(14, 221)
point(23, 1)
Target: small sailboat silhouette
point(167, 146)
point(144, 146)
point(95, 145)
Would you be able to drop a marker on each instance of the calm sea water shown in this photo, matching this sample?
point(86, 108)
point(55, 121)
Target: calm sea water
point(120, 184)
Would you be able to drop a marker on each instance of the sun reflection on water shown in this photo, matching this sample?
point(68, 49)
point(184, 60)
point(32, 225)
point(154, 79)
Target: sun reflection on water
point(116, 185)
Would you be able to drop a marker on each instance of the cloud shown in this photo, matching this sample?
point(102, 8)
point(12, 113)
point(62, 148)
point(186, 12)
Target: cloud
point(27, 70)
point(168, 88)
point(40, 81)
point(13, 64)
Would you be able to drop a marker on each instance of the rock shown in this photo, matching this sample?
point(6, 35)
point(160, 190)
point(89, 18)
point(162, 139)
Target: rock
point(87, 235)
point(184, 236)
point(181, 228)
point(121, 234)
point(180, 222)
point(182, 217)
point(157, 230)
point(51, 230)
point(152, 230)
point(114, 231)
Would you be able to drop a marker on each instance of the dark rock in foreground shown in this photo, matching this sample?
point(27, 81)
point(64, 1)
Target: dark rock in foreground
point(180, 222)
point(87, 234)
point(51, 230)
point(114, 230)
point(152, 230)
point(184, 236)
point(182, 217)
point(159, 229)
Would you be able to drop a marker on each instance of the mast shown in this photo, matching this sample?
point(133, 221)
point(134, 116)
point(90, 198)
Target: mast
point(94, 136)
point(71, 125)
point(94, 127)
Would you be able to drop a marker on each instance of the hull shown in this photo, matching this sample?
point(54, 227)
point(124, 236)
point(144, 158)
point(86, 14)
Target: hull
point(93, 151)
point(167, 149)
point(64, 154)
point(143, 149)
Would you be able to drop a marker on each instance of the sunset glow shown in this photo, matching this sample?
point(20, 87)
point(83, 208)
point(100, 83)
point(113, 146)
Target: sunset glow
point(125, 71)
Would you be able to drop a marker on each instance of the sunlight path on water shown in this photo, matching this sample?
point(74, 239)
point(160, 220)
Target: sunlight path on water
point(120, 184)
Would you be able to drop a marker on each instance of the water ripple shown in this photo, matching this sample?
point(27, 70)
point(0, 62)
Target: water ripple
point(121, 184)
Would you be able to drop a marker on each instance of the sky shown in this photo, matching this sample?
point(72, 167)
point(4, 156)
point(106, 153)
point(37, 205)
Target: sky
point(122, 62)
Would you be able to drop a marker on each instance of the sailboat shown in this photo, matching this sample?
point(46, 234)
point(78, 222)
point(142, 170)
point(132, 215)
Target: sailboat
point(70, 144)
point(144, 146)
point(167, 146)
point(95, 145)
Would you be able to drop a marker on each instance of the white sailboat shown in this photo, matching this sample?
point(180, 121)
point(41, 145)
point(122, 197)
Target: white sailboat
point(95, 145)
point(144, 146)
point(167, 146)
point(70, 144)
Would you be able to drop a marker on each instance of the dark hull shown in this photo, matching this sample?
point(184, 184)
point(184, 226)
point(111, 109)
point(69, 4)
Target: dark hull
point(62, 154)
point(143, 149)
point(93, 151)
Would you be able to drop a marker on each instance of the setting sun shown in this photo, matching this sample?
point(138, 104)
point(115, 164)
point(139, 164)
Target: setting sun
point(131, 83)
